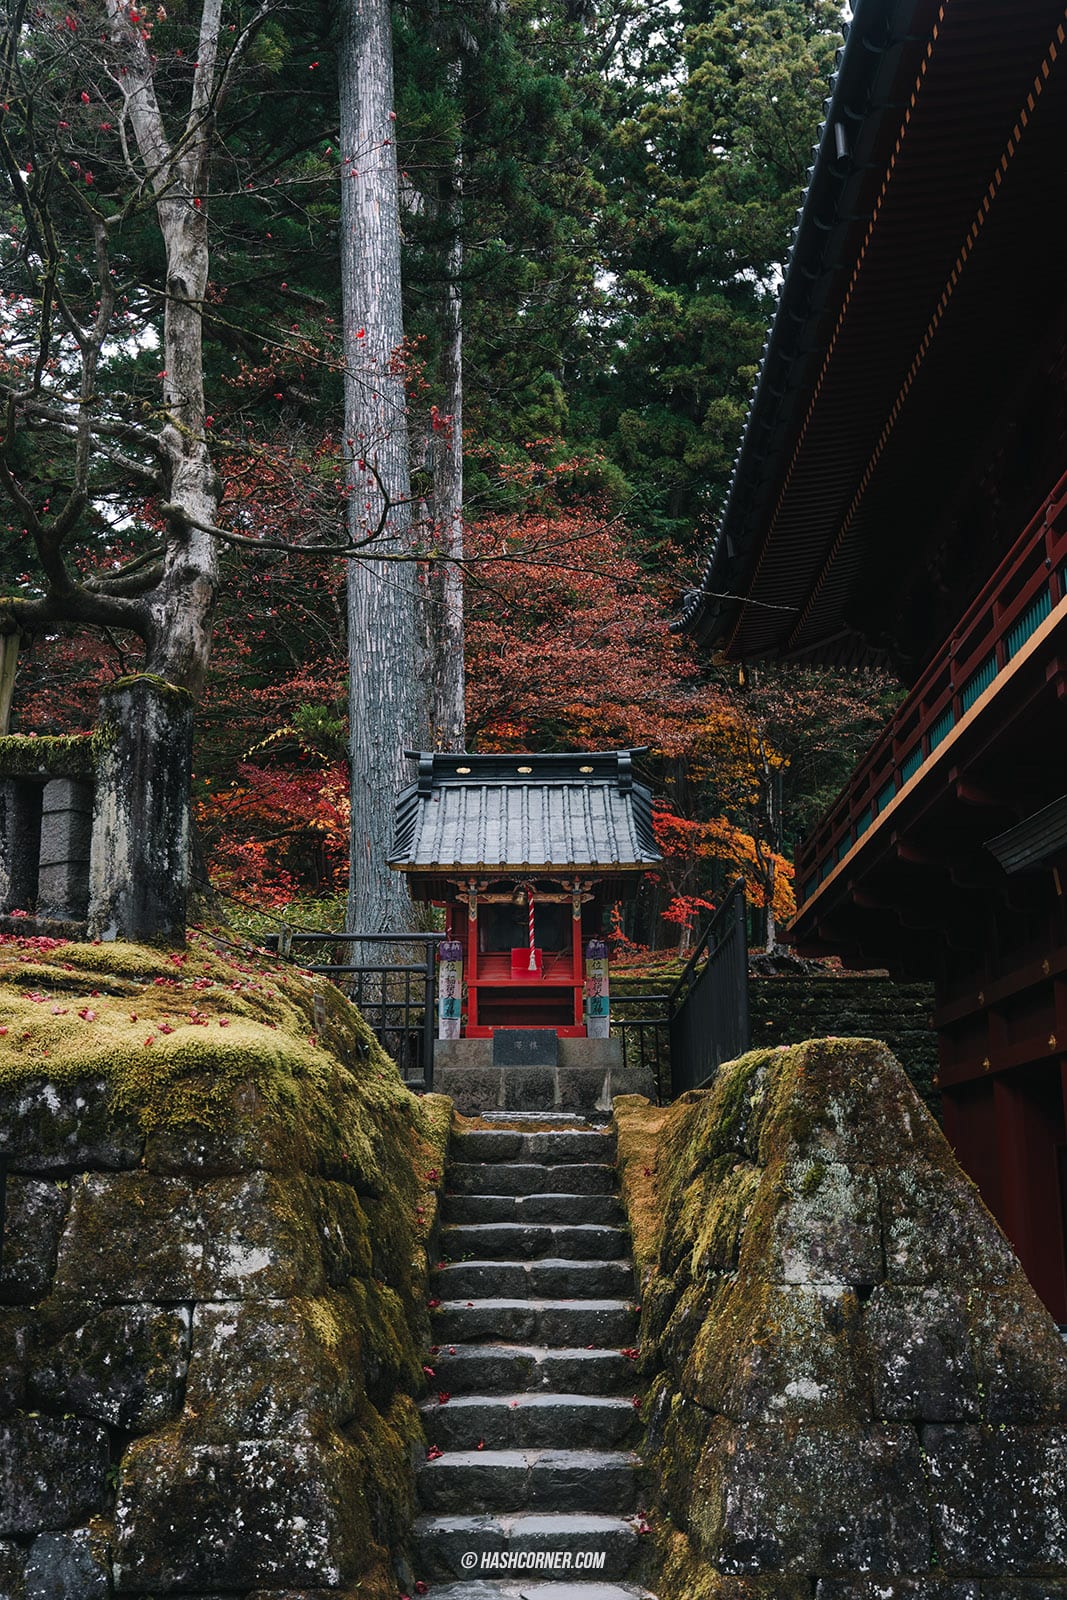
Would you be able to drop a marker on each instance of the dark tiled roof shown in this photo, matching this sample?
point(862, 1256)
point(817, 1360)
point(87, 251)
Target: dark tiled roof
point(1033, 843)
point(531, 812)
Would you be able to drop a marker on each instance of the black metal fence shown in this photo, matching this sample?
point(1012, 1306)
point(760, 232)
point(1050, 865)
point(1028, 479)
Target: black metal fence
point(395, 992)
point(682, 1037)
point(641, 1022)
point(708, 1006)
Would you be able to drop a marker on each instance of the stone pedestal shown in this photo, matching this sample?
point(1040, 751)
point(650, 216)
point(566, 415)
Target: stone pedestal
point(139, 877)
point(20, 843)
point(586, 1077)
point(66, 828)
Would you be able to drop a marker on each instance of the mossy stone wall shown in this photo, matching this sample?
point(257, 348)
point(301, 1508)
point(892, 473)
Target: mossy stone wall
point(212, 1305)
point(788, 1009)
point(854, 1391)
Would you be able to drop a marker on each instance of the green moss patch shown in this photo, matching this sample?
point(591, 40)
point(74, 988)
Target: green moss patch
point(58, 755)
point(175, 1033)
point(821, 1286)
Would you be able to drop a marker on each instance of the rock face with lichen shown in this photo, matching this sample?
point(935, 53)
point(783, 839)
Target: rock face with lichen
point(855, 1391)
point(213, 1280)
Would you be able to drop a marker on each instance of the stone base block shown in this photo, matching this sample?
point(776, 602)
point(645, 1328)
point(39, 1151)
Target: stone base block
point(586, 1078)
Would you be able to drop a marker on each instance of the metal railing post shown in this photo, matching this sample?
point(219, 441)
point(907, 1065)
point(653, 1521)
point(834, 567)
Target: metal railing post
point(429, 1021)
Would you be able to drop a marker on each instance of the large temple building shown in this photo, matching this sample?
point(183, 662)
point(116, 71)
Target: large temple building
point(900, 499)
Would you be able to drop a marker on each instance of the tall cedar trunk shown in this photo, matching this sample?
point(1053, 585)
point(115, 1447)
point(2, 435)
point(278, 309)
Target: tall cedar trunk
point(180, 609)
point(381, 592)
point(447, 677)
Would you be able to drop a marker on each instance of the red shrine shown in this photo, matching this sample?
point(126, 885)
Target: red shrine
point(900, 498)
point(525, 852)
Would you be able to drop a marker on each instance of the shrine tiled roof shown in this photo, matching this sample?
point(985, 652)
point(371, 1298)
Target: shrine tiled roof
point(545, 813)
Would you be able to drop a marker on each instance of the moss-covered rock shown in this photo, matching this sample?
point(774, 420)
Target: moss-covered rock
point(199, 1516)
point(59, 755)
point(33, 1220)
point(998, 1501)
point(16, 1328)
point(60, 1127)
point(773, 1351)
point(12, 1568)
point(52, 1473)
point(133, 1236)
point(916, 1349)
point(810, 1500)
point(821, 1285)
point(123, 1365)
point(61, 1565)
point(232, 1264)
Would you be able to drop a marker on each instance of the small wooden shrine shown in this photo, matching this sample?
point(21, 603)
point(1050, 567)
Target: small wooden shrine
point(526, 853)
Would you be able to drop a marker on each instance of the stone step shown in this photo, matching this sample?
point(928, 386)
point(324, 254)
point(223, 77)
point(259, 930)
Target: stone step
point(530, 1421)
point(552, 1278)
point(549, 1322)
point(526, 1120)
point(469, 1481)
point(603, 1208)
point(509, 1368)
point(571, 1546)
point(521, 1241)
point(517, 1589)
point(487, 1177)
point(551, 1146)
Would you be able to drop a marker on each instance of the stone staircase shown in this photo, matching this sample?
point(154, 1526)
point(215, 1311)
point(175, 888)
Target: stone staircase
point(530, 1489)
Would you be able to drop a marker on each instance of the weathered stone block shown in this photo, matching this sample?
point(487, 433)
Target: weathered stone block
point(768, 1351)
point(686, 1320)
point(825, 1500)
point(66, 819)
point(583, 1091)
point(815, 1221)
point(139, 873)
point(727, 1203)
point(254, 1137)
point(937, 1229)
point(848, 1100)
point(238, 1516)
point(1000, 1589)
point(66, 825)
point(473, 1088)
point(695, 1212)
point(343, 1232)
point(124, 1366)
point(68, 1566)
point(527, 1088)
point(14, 1341)
point(52, 1126)
point(1021, 1358)
point(12, 1566)
point(138, 1237)
point(997, 1499)
point(263, 1368)
point(20, 843)
point(52, 1473)
point(888, 1587)
point(915, 1345)
point(33, 1218)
